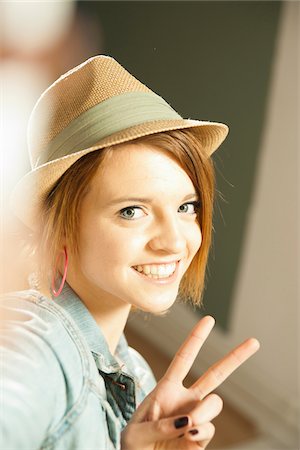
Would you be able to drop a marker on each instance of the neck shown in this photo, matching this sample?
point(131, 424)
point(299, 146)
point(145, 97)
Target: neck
point(111, 318)
point(111, 314)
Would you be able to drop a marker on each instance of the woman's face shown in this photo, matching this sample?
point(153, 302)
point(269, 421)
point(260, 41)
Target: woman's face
point(138, 231)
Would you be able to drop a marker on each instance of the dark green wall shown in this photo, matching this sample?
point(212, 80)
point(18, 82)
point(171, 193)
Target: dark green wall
point(209, 60)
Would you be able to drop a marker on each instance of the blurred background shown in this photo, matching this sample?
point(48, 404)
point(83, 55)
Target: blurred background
point(235, 62)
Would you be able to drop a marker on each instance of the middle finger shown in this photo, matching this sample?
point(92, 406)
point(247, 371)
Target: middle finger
point(221, 370)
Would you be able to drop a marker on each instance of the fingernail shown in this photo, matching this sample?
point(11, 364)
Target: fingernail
point(181, 435)
point(193, 432)
point(181, 422)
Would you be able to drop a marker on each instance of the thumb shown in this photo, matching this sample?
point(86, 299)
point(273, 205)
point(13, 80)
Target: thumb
point(141, 435)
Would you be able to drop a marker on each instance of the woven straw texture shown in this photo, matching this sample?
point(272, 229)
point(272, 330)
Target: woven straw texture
point(74, 93)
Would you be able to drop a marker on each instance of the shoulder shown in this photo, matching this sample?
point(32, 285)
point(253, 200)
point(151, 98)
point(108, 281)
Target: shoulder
point(25, 310)
point(26, 302)
point(31, 309)
point(39, 335)
point(43, 323)
point(29, 364)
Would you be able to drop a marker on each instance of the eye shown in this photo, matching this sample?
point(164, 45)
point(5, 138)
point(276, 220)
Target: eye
point(131, 213)
point(189, 208)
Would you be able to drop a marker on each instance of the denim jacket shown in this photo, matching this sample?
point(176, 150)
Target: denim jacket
point(61, 388)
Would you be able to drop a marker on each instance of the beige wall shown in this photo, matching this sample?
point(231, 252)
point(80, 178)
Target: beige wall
point(266, 297)
point(267, 293)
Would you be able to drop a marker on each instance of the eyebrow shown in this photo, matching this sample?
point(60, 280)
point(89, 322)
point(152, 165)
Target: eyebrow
point(145, 200)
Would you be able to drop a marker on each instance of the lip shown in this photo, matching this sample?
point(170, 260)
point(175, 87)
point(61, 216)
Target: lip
point(160, 281)
point(158, 263)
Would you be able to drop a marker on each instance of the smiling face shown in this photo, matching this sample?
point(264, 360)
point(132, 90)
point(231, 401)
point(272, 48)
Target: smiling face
point(138, 229)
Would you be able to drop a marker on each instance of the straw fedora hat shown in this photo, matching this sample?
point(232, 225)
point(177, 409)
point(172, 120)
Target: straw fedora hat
point(93, 106)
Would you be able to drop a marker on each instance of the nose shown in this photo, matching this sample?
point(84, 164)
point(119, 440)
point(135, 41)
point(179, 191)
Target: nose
point(168, 236)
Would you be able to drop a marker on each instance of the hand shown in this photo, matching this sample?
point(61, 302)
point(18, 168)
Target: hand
point(152, 425)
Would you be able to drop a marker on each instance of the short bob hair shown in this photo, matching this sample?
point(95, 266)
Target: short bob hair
point(60, 213)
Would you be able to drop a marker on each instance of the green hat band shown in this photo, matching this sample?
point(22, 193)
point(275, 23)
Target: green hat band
point(108, 117)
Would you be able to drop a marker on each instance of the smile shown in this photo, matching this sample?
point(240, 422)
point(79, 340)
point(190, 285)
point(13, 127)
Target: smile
point(156, 271)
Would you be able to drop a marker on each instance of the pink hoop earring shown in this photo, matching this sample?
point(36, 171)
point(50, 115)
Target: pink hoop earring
point(55, 292)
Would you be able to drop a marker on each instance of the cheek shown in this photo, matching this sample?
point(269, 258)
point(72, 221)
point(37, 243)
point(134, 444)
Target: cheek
point(100, 253)
point(110, 247)
point(195, 240)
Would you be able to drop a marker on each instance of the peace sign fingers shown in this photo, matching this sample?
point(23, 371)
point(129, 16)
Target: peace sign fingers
point(221, 370)
point(187, 353)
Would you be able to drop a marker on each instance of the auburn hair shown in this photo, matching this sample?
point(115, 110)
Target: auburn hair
point(60, 215)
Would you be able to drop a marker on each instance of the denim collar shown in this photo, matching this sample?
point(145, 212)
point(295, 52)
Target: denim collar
point(92, 333)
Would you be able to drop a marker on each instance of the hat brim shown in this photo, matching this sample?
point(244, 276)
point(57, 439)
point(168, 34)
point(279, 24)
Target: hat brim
point(30, 191)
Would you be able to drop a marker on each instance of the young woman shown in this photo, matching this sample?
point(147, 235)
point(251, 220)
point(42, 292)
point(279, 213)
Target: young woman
point(119, 201)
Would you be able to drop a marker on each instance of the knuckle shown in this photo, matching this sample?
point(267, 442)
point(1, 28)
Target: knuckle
point(236, 357)
point(200, 337)
point(218, 374)
point(185, 355)
point(217, 400)
point(198, 392)
point(211, 430)
point(199, 446)
point(128, 438)
point(160, 427)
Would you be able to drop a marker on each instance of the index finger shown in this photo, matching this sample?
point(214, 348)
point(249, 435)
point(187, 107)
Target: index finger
point(186, 355)
point(221, 370)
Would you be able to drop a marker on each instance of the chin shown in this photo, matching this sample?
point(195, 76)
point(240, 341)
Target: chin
point(159, 307)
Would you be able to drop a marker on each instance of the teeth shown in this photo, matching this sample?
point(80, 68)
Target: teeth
point(153, 270)
point(146, 270)
point(157, 271)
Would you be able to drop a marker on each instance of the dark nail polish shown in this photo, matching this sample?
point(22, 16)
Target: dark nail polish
point(193, 432)
point(181, 422)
